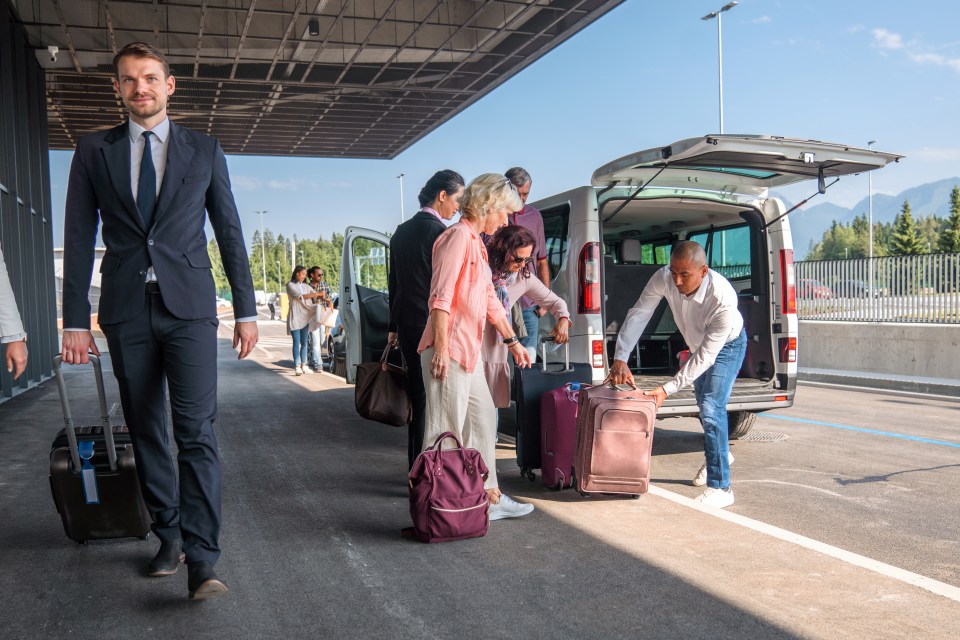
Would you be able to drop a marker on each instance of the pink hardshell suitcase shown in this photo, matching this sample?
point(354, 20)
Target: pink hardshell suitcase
point(615, 441)
point(558, 435)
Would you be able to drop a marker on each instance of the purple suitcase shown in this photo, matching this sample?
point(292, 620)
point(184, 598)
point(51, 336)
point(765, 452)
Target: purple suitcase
point(558, 435)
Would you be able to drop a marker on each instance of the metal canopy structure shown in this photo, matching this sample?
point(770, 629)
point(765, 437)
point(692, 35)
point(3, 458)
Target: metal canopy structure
point(323, 78)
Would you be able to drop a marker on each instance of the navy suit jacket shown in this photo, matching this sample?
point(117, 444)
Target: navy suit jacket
point(195, 184)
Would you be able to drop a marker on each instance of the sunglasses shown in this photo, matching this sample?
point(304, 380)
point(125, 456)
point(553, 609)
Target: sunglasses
point(519, 260)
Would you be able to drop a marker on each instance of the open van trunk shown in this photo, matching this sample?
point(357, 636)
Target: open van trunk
point(637, 241)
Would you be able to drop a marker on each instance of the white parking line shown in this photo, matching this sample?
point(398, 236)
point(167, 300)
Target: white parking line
point(908, 577)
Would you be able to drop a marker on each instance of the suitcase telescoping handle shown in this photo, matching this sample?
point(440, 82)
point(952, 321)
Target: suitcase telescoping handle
point(68, 418)
point(566, 355)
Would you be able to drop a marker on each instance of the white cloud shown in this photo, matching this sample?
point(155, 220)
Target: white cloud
point(915, 51)
point(857, 28)
point(762, 20)
point(887, 39)
point(246, 183)
point(292, 184)
point(928, 154)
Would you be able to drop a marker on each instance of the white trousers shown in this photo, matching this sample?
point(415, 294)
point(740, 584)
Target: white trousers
point(463, 405)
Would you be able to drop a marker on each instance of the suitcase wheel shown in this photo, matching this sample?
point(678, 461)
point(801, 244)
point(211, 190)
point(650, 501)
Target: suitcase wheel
point(527, 472)
point(634, 496)
point(584, 494)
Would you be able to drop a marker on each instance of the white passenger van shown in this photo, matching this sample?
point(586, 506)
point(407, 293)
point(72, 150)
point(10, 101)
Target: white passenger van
point(605, 241)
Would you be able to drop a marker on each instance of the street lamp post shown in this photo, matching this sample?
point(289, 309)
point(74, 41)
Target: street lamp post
point(263, 254)
point(717, 14)
point(870, 227)
point(400, 177)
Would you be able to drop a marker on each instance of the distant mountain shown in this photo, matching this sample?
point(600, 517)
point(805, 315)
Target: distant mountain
point(928, 199)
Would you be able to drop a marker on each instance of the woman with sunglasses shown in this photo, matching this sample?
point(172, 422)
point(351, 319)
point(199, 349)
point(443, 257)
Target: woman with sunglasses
point(462, 300)
point(511, 254)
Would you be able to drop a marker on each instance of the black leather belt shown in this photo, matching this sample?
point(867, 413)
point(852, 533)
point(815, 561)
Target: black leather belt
point(153, 287)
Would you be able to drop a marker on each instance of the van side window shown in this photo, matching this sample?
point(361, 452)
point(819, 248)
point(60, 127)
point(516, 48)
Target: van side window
point(729, 250)
point(370, 262)
point(656, 253)
point(556, 220)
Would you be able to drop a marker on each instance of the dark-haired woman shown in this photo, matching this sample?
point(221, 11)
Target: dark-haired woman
point(303, 308)
point(511, 253)
point(411, 267)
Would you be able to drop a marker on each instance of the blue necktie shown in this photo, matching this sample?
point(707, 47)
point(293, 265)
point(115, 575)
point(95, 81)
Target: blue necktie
point(147, 186)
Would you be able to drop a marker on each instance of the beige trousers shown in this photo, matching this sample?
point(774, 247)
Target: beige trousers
point(463, 405)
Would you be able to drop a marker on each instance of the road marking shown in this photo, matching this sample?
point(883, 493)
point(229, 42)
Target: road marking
point(890, 571)
point(888, 434)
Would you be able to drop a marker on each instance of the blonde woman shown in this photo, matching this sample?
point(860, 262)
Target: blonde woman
point(462, 299)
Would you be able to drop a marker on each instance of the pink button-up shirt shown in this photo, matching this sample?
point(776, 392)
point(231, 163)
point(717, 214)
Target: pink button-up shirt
point(462, 285)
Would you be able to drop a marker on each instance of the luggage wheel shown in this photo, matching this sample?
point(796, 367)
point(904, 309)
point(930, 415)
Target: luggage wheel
point(527, 472)
point(584, 494)
point(634, 496)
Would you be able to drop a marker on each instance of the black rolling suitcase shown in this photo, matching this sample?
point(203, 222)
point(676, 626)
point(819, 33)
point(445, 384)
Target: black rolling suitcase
point(93, 475)
point(529, 387)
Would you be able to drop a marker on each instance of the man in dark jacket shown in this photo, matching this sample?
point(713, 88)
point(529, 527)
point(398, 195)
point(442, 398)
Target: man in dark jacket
point(411, 269)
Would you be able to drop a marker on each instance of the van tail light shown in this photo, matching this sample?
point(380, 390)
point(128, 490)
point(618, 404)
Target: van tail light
point(789, 292)
point(588, 279)
point(597, 349)
point(788, 349)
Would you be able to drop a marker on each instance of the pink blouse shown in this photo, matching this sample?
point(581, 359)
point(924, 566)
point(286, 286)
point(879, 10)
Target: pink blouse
point(462, 285)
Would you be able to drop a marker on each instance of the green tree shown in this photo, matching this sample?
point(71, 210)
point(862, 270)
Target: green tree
point(949, 240)
point(216, 265)
point(905, 240)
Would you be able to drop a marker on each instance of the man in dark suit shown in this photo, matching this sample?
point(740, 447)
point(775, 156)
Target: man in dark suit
point(411, 269)
point(149, 182)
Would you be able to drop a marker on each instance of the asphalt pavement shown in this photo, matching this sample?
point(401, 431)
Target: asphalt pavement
point(314, 501)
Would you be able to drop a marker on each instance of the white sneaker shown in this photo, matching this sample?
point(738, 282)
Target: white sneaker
point(718, 498)
point(701, 478)
point(307, 370)
point(508, 508)
point(298, 371)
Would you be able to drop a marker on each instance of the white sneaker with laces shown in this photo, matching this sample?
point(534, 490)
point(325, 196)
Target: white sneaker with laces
point(508, 508)
point(701, 478)
point(298, 371)
point(717, 498)
point(307, 370)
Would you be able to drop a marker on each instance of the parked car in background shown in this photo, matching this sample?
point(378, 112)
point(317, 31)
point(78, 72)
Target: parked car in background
point(855, 289)
point(811, 288)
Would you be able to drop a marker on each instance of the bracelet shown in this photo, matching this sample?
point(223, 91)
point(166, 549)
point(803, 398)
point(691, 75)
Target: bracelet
point(511, 340)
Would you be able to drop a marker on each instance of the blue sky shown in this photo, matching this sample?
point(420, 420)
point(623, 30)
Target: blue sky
point(645, 75)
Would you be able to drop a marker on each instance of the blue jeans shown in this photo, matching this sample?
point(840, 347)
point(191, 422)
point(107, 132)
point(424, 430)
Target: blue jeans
point(300, 346)
point(712, 390)
point(532, 322)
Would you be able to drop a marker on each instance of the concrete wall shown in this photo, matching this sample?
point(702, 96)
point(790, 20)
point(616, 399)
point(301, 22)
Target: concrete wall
point(929, 350)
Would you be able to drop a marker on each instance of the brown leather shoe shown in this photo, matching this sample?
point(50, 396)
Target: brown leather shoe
point(202, 582)
point(168, 559)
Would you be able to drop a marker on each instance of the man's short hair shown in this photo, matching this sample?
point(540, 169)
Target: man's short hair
point(314, 270)
point(518, 176)
point(689, 251)
point(140, 50)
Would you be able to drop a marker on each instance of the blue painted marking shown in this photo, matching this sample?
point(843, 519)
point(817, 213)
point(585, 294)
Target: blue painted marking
point(888, 434)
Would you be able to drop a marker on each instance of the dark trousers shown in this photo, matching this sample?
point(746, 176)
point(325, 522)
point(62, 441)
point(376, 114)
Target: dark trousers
point(409, 338)
point(152, 354)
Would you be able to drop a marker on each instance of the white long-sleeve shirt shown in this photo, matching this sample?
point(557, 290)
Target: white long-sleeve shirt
point(708, 319)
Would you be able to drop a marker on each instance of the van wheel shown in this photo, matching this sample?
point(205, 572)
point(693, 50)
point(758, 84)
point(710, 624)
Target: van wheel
point(340, 366)
point(739, 423)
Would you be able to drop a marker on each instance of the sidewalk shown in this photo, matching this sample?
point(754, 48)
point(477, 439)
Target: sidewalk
point(888, 381)
point(314, 501)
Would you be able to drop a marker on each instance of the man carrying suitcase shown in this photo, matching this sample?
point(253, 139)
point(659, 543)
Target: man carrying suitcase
point(704, 306)
point(153, 185)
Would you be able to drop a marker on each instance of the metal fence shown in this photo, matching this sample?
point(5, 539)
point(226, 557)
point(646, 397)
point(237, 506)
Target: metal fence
point(924, 288)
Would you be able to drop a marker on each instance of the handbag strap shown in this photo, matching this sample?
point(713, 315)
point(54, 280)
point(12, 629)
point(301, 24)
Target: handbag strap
point(383, 358)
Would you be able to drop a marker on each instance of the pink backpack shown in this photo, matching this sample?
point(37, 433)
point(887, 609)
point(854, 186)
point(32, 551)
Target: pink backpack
point(447, 498)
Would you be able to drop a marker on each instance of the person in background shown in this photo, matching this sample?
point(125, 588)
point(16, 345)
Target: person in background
point(462, 299)
point(511, 253)
point(704, 306)
point(273, 303)
point(12, 336)
point(411, 268)
point(530, 218)
point(318, 332)
point(303, 305)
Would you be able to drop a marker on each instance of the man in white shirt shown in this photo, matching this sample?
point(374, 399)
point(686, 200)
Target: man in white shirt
point(704, 306)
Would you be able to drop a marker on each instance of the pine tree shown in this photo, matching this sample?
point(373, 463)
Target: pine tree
point(949, 241)
point(905, 240)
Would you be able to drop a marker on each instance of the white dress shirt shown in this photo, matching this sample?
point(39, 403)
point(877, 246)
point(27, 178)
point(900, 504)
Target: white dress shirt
point(11, 327)
point(708, 319)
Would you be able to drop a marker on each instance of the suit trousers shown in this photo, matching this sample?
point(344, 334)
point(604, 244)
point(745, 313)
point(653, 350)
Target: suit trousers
point(462, 404)
point(153, 354)
point(409, 338)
